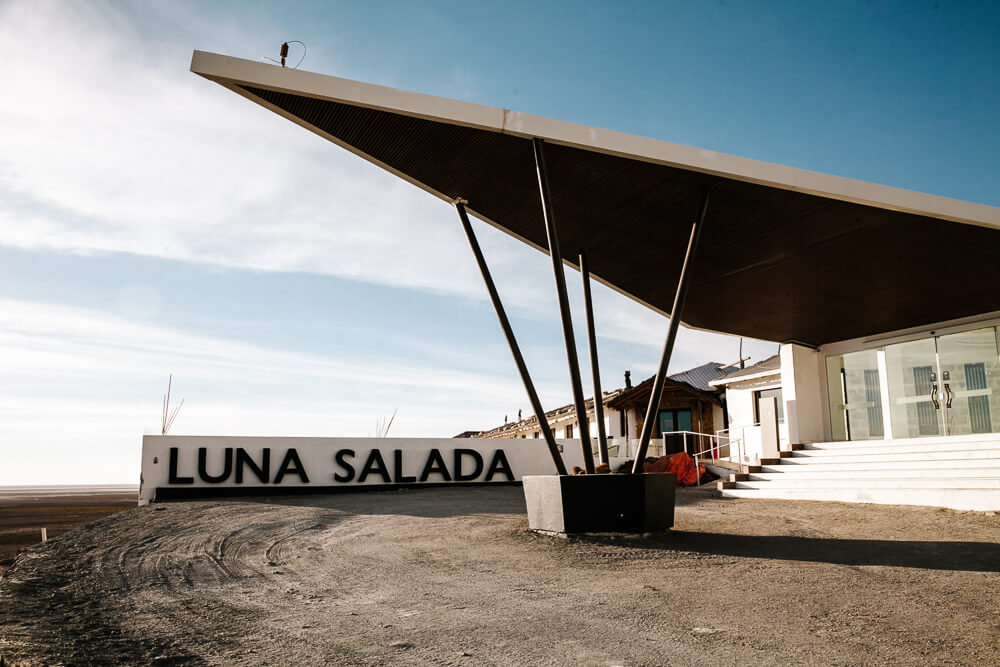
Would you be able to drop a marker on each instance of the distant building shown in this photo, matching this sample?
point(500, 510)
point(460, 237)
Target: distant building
point(689, 408)
point(562, 421)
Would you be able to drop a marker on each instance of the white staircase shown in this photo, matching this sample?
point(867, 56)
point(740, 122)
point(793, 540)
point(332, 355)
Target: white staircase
point(961, 472)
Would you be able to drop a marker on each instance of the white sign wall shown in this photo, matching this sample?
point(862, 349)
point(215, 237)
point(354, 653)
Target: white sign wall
point(176, 467)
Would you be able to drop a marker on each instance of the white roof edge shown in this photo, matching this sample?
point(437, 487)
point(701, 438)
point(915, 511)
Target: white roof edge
point(230, 71)
point(741, 378)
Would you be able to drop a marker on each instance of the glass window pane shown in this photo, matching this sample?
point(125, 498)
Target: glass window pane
point(855, 392)
point(970, 381)
point(684, 420)
point(912, 377)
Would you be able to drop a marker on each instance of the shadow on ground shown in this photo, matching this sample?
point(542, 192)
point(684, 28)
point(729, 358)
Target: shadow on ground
point(440, 502)
point(925, 554)
point(428, 501)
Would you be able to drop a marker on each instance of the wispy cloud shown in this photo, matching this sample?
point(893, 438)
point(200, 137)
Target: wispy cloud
point(83, 386)
point(109, 146)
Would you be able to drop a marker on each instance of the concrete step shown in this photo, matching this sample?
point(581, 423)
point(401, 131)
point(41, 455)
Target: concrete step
point(930, 440)
point(959, 499)
point(879, 472)
point(871, 483)
point(897, 448)
point(801, 458)
point(792, 467)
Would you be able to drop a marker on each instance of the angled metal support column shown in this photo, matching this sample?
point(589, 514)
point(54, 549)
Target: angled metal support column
point(565, 316)
point(508, 333)
point(602, 438)
point(668, 347)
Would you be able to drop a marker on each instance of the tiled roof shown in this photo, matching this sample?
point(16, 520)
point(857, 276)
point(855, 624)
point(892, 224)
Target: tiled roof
point(694, 379)
point(699, 377)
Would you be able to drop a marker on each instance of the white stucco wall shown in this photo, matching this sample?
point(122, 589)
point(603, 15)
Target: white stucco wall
point(742, 421)
point(175, 462)
point(802, 377)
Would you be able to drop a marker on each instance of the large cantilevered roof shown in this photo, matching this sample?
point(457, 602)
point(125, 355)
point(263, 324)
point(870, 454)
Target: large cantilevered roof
point(786, 254)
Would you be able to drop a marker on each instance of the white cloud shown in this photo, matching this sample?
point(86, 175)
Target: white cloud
point(108, 144)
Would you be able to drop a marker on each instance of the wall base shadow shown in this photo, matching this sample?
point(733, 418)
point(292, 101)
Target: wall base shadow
point(440, 502)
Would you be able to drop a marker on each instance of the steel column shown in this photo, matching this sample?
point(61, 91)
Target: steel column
point(508, 333)
point(564, 313)
point(602, 438)
point(668, 347)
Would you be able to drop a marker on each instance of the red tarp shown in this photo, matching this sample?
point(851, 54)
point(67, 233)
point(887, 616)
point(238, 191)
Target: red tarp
point(679, 463)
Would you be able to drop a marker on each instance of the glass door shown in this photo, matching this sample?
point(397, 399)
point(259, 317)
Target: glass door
point(970, 382)
point(914, 402)
point(948, 385)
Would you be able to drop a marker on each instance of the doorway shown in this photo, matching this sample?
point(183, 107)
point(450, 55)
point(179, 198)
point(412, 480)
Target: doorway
point(671, 421)
point(946, 385)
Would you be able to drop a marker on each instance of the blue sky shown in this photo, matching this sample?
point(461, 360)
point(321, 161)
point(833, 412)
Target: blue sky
point(151, 222)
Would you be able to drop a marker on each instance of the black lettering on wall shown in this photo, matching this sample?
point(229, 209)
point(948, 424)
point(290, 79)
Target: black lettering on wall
point(341, 459)
point(397, 455)
point(263, 471)
point(500, 464)
point(227, 468)
point(291, 466)
point(435, 464)
point(172, 477)
point(375, 464)
point(463, 477)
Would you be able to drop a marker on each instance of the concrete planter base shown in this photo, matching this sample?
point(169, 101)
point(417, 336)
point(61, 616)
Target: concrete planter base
point(600, 503)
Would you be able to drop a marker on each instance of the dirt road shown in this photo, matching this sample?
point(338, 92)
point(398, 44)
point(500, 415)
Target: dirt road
point(452, 577)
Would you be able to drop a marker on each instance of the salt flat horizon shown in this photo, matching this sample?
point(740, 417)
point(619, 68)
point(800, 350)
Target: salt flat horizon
point(35, 490)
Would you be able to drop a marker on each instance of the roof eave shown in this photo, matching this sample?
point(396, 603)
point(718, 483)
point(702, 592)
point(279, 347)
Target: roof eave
point(229, 72)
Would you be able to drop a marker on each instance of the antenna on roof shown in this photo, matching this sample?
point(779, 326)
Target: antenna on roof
point(283, 54)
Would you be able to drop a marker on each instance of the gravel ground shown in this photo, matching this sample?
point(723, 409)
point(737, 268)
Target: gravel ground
point(453, 577)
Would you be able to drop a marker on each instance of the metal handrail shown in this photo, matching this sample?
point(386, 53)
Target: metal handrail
point(713, 449)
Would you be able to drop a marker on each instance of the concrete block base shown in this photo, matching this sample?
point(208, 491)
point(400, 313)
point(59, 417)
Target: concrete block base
point(600, 503)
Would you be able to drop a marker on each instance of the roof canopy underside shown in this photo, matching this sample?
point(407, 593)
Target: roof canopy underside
point(773, 263)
